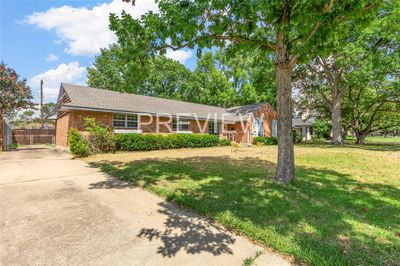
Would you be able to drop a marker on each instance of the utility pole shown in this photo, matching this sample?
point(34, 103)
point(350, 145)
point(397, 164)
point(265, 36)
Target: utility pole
point(41, 104)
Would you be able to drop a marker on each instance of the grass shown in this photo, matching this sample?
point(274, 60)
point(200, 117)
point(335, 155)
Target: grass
point(378, 139)
point(343, 208)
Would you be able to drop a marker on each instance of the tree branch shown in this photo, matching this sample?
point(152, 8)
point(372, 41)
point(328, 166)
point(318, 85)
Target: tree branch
point(263, 45)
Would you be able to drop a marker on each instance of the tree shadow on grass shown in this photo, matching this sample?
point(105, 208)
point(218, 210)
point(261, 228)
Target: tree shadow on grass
point(322, 217)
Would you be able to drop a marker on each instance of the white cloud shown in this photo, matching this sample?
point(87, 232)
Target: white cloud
point(86, 30)
point(179, 55)
point(52, 78)
point(51, 58)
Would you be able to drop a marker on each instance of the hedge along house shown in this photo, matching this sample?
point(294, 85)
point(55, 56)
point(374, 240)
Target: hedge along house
point(132, 113)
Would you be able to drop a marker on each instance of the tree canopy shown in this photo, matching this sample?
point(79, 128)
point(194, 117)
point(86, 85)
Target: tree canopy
point(14, 93)
point(219, 79)
point(291, 30)
point(359, 77)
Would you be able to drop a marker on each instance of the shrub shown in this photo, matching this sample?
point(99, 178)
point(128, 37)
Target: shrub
point(78, 144)
point(265, 140)
point(147, 142)
point(225, 142)
point(100, 138)
point(322, 129)
point(296, 137)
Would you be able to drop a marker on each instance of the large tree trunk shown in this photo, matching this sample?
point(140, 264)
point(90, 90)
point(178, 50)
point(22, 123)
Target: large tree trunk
point(360, 137)
point(336, 117)
point(284, 69)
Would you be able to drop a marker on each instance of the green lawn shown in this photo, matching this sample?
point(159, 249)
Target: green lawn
point(343, 208)
point(382, 140)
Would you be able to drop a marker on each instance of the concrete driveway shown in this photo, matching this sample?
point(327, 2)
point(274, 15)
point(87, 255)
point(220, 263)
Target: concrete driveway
point(60, 211)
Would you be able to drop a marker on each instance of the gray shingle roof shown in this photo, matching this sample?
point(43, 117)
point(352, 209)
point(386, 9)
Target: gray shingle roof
point(246, 109)
point(298, 122)
point(91, 98)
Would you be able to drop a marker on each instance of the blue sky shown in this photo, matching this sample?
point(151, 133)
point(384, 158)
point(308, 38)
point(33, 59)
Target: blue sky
point(57, 40)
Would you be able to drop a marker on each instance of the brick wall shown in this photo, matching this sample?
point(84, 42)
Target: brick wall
point(75, 119)
point(148, 124)
point(268, 114)
point(62, 129)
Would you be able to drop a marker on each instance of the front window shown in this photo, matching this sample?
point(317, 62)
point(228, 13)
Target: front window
point(258, 127)
point(213, 128)
point(125, 121)
point(180, 125)
point(274, 128)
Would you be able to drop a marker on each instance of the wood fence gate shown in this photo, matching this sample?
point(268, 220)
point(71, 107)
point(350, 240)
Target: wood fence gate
point(31, 137)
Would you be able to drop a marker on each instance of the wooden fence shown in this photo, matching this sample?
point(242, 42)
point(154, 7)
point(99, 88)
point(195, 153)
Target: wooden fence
point(33, 136)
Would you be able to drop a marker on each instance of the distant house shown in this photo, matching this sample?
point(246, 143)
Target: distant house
point(132, 113)
point(303, 127)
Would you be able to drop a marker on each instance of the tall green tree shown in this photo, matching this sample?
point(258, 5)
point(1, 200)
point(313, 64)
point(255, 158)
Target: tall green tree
point(292, 30)
point(212, 86)
point(356, 71)
point(14, 93)
point(107, 72)
point(160, 76)
point(252, 77)
point(49, 109)
point(220, 78)
point(168, 78)
point(25, 118)
point(372, 108)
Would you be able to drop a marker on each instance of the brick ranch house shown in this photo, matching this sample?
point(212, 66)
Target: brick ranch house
point(132, 113)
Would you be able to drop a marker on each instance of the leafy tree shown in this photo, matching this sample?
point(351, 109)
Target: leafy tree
point(322, 86)
point(373, 100)
point(367, 57)
point(373, 108)
point(14, 93)
point(291, 30)
point(25, 118)
point(49, 109)
point(322, 129)
point(253, 77)
point(220, 79)
point(168, 78)
point(160, 76)
point(213, 87)
point(111, 73)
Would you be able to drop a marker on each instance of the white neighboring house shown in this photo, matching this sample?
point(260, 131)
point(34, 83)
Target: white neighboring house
point(303, 127)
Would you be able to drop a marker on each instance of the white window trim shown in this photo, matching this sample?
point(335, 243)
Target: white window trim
point(179, 122)
point(257, 127)
point(126, 122)
point(183, 132)
point(274, 128)
point(126, 130)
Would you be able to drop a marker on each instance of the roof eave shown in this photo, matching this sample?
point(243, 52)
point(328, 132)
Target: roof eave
point(69, 107)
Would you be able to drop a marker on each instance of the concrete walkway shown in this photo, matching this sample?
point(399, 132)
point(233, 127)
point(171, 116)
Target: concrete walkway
point(59, 211)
